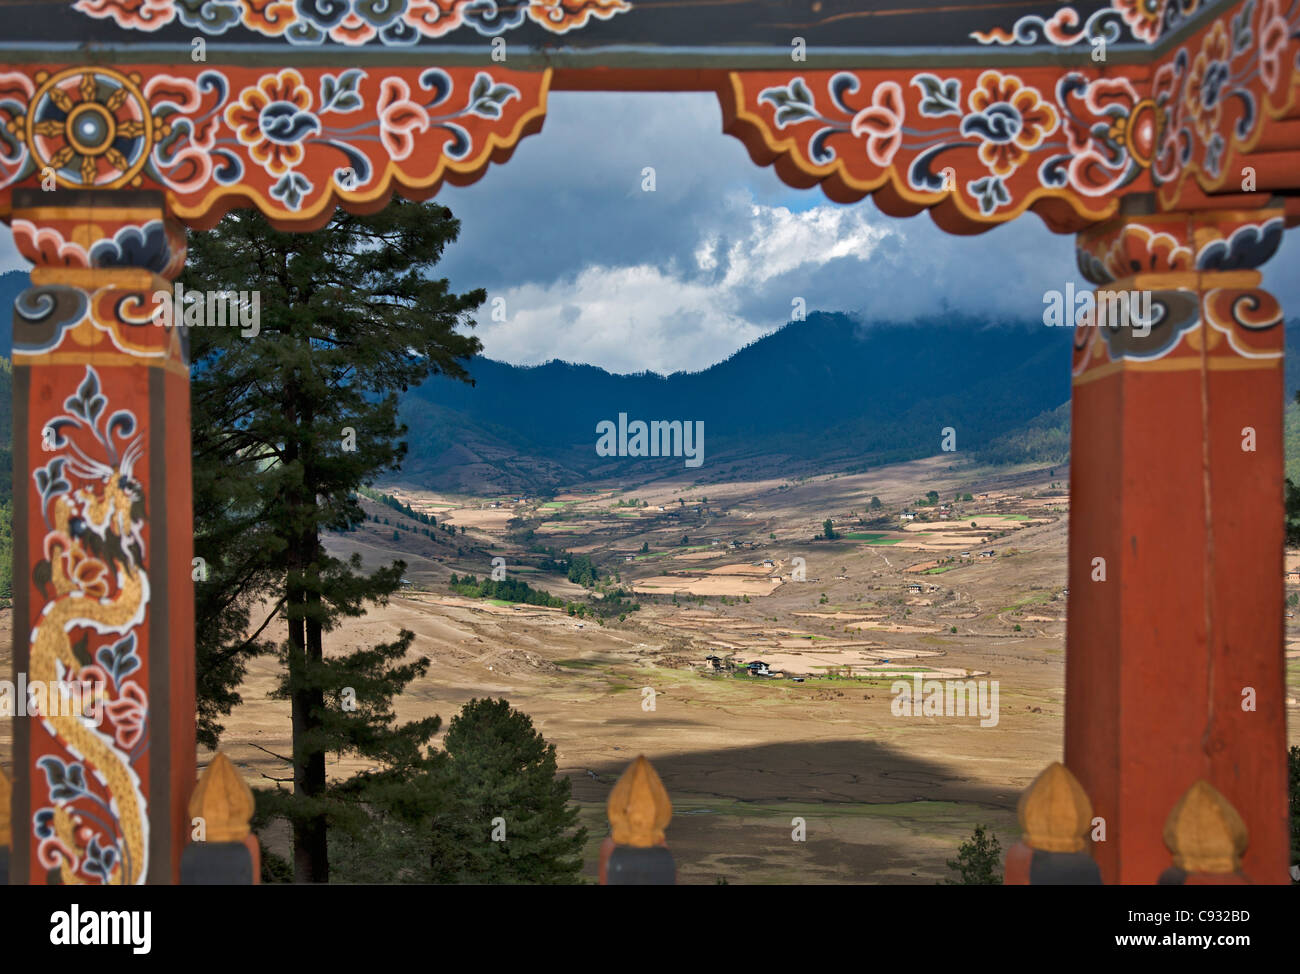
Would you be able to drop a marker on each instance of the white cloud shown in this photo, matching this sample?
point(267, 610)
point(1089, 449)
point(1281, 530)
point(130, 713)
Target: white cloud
point(781, 241)
point(642, 316)
point(628, 319)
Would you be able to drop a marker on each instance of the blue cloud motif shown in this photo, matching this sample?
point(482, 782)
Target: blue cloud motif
point(325, 13)
point(487, 17)
point(1246, 249)
point(42, 314)
point(144, 246)
point(998, 123)
point(285, 123)
point(210, 16)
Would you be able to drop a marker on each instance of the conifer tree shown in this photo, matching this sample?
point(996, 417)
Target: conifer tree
point(290, 423)
point(505, 815)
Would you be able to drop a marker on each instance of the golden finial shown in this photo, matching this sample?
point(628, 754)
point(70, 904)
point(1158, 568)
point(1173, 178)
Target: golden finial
point(223, 801)
point(1204, 832)
point(6, 837)
point(638, 807)
point(1054, 811)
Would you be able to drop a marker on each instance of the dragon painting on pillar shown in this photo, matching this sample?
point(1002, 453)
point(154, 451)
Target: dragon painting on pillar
point(102, 601)
point(95, 825)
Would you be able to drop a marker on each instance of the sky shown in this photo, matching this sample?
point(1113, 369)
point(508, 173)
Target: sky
point(594, 269)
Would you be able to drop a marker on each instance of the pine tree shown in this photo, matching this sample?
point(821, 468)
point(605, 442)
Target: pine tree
point(350, 318)
point(501, 780)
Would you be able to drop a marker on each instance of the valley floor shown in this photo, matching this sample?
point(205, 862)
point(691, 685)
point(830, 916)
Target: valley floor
point(883, 798)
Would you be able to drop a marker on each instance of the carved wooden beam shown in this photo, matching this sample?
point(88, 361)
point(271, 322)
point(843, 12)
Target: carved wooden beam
point(1228, 106)
point(293, 142)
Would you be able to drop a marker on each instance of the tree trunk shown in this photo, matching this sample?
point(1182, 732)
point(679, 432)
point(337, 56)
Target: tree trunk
point(316, 835)
point(303, 844)
point(310, 834)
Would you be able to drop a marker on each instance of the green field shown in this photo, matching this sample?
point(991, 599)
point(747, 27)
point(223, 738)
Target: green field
point(673, 551)
point(871, 537)
point(1038, 598)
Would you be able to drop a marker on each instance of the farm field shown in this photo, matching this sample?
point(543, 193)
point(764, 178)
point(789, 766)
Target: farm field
point(732, 571)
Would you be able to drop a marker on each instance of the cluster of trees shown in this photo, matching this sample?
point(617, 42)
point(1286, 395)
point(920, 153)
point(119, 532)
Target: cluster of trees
point(583, 571)
point(615, 602)
point(1044, 439)
point(555, 560)
point(507, 590)
point(389, 501)
point(399, 526)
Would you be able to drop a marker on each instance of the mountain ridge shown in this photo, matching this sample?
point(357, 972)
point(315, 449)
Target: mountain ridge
point(827, 390)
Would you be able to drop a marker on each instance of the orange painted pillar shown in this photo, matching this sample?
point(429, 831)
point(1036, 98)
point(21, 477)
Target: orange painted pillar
point(1174, 669)
point(103, 534)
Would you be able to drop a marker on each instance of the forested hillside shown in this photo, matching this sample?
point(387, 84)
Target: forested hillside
point(828, 391)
